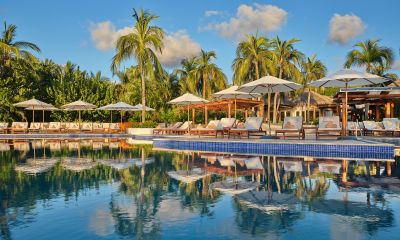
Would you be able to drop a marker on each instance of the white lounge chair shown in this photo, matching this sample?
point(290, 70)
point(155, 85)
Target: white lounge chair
point(54, 127)
point(212, 128)
point(35, 127)
point(19, 127)
point(3, 127)
point(292, 127)
point(328, 127)
point(87, 127)
point(252, 126)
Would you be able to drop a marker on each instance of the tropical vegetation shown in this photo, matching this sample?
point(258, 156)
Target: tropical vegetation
point(23, 75)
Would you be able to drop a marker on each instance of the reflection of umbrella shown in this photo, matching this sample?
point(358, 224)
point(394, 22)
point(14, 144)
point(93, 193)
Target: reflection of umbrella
point(267, 201)
point(348, 78)
point(234, 187)
point(119, 106)
point(78, 164)
point(269, 84)
point(292, 166)
point(78, 106)
point(33, 103)
point(187, 99)
point(188, 176)
point(329, 167)
point(122, 163)
point(232, 93)
point(36, 165)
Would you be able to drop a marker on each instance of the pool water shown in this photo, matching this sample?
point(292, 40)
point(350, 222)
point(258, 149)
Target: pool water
point(110, 189)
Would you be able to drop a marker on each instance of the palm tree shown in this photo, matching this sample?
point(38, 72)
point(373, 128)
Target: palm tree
point(141, 44)
point(9, 48)
point(312, 69)
point(185, 74)
point(208, 75)
point(251, 55)
point(286, 57)
point(369, 54)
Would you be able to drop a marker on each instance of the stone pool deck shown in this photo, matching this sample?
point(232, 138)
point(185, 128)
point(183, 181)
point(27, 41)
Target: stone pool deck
point(348, 149)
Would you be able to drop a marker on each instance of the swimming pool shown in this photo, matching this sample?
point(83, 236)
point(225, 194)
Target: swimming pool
point(110, 189)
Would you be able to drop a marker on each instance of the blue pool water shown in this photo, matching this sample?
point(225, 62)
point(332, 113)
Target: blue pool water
point(110, 189)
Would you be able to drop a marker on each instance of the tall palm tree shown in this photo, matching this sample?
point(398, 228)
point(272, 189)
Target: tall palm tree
point(209, 76)
point(253, 58)
point(369, 54)
point(185, 74)
point(286, 56)
point(9, 48)
point(141, 44)
point(312, 69)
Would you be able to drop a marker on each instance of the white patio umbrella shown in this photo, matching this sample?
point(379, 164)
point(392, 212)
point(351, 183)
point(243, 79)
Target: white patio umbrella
point(232, 93)
point(140, 108)
point(79, 106)
point(187, 99)
point(33, 104)
point(348, 78)
point(269, 84)
point(43, 109)
point(119, 106)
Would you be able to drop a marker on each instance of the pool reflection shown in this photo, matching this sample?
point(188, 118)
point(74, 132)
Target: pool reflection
point(158, 194)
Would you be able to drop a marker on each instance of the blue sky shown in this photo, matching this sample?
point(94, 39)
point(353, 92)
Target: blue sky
point(84, 31)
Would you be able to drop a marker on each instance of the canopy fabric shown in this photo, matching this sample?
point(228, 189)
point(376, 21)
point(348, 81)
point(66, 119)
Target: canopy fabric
point(119, 106)
point(349, 78)
point(269, 84)
point(32, 103)
point(79, 105)
point(187, 99)
point(232, 92)
point(139, 107)
point(49, 108)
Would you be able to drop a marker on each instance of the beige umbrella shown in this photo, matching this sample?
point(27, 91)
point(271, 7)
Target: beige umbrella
point(32, 103)
point(78, 106)
point(43, 109)
point(232, 93)
point(269, 84)
point(348, 78)
point(119, 106)
point(187, 99)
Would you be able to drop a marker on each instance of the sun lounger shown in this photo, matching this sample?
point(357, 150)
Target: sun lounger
point(212, 128)
point(184, 128)
point(292, 127)
point(167, 129)
point(3, 127)
point(252, 126)
point(372, 127)
point(354, 127)
point(159, 128)
point(114, 128)
point(72, 127)
point(35, 127)
point(19, 127)
point(87, 127)
point(328, 127)
point(54, 127)
point(98, 128)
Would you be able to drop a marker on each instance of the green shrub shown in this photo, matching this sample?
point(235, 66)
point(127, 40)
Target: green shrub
point(147, 124)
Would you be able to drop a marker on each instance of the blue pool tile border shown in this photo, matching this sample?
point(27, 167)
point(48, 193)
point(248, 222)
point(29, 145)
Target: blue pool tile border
point(366, 151)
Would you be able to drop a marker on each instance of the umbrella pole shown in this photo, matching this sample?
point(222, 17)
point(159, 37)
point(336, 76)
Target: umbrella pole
point(43, 119)
point(120, 126)
point(188, 113)
point(269, 103)
point(79, 115)
point(344, 120)
point(33, 114)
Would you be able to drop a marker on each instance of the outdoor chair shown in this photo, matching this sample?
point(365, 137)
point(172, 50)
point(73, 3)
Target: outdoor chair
point(114, 128)
point(252, 126)
point(98, 128)
point(328, 127)
point(34, 127)
point(159, 128)
point(167, 129)
point(355, 128)
point(184, 128)
point(19, 127)
point(292, 127)
point(72, 127)
point(391, 125)
point(53, 127)
point(87, 127)
point(213, 128)
point(372, 127)
point(3, 127)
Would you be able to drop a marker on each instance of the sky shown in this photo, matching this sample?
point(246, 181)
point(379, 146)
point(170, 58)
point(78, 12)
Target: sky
point(84, 32)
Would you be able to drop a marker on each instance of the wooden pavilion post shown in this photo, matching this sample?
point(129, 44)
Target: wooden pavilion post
point(378, 113)
point(387, 110)
point(193, 116)
point(261, 110)
point(229, 109)
point(344, 117)
point(205, 115)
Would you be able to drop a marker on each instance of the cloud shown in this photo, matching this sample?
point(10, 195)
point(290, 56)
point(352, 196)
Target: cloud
point(396, 65)
point(250, 19)
point(177, 45)
point(344, 28)
point(105, 36)
point(211, 13)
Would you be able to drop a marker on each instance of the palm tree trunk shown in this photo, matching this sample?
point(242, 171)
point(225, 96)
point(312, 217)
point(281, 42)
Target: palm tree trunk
point(275, 108)
point(257, 71)
point(205, 77)
point(269, 107)
point(143, 94)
